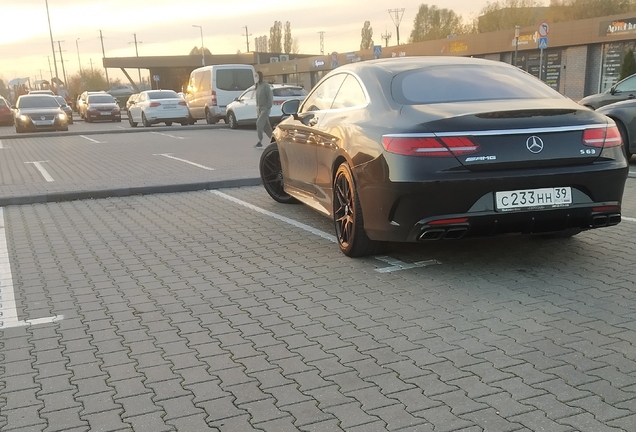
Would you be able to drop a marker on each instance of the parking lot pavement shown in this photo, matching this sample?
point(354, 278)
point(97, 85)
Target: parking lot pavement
point(203, 311)
point(56, 168)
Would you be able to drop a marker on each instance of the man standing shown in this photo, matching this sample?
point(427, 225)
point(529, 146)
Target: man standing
point(264, 102)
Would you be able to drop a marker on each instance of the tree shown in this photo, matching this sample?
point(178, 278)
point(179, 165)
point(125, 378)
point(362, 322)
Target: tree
point(506, 14)
point(196, 51)
point(367, 36)
point(629, 65)
point(433, 23)
point(288, 38)
point(276, 38)
point(569, 10)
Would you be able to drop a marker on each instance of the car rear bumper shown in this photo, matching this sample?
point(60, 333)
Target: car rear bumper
point(417, 211)
point(103, 117)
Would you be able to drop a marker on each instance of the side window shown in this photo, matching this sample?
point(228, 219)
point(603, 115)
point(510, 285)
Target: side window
point(192, 84)
point(629, 85)
point(205, 81)
point(248, 95)
point(323, 95)
point(350, 94)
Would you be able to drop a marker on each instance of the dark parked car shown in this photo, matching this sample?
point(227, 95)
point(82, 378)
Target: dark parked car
point(39, 112)
point(622, 90)
point(432, 148)
point(624, 114)
point(66, 108)
point(100, 107)
point(6, 114)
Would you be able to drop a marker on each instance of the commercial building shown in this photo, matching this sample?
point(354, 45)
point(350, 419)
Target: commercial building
point(579, 57)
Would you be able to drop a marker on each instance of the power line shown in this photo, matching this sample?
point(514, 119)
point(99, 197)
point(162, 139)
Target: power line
point(386, 36)
point(397, 19)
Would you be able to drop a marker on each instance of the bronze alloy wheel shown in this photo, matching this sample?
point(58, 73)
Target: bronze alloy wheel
point(347, 217)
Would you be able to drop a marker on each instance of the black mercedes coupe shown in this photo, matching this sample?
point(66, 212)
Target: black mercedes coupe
point(419, 149)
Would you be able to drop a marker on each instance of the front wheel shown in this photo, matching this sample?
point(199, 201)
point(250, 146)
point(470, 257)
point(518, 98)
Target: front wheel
point(231, 119)
point(131, 122)
point(208, 117)
point(347, 217)
point(272, 175)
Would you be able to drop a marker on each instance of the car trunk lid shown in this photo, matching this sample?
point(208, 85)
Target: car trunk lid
point(501, 135)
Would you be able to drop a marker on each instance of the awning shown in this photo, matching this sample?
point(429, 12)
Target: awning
point(17, 82)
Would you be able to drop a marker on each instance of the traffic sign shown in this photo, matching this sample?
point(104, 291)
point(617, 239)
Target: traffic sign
point(334, 56)
point(334, 64)
point(155, 78)
point(377, 51)
point(543, 43)
point(544, 29)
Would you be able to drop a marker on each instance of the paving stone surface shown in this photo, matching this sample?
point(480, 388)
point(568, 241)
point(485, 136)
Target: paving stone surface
point(191, 312)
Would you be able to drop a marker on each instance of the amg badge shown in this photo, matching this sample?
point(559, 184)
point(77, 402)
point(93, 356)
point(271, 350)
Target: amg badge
point(480, 158)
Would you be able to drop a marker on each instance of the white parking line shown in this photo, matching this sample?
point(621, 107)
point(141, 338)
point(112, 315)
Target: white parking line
point(1, 147)
point(396, 265)
point(120, 127)
point(43, 171)
point(91, 139)
point(168, 135)
point(8, 309)
point(628, 219)
point(168, 155)
point(297, 224)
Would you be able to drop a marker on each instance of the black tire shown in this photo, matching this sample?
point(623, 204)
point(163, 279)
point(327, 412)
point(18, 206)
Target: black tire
point(145, 121)
point(88, 120)
point(64, 129)
point(168, 123)
point(18, 129)
point(131, 122)
point(231, 120)
point(272, 175)
point(347, 217)
point(208, 117)
point(625, 137)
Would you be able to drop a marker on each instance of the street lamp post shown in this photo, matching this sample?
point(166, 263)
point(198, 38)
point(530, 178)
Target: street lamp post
point(517, 29)
point(48, 17)
point(202, 49)
point(78, 56)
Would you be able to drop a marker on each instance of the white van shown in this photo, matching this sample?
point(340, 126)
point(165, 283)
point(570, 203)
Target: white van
point(211, 88)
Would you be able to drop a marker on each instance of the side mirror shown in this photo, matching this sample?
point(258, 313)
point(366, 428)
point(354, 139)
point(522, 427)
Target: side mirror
point(612, 90)
point(13, 107)
point(236, 99)
point(290, 107)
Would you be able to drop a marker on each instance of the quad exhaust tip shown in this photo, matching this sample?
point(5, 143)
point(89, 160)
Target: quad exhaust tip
point(441, 233)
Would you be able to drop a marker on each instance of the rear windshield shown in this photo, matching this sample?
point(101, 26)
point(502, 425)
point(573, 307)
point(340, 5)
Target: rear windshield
point(38, 102)
point(289, 92)
point(234, 79)
point(60, 100)
point(164, 94)
point(100, 99)
point(458, 83)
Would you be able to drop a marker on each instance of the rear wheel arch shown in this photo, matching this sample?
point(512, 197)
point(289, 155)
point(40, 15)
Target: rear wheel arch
point(624, 135)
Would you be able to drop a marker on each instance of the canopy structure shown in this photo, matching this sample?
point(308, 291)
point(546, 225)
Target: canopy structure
point(17, 82)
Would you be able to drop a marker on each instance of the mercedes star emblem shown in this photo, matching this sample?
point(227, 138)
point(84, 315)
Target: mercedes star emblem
point(42, 118)
point(534, 144)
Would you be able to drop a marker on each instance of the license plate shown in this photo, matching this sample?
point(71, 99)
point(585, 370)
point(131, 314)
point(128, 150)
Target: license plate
point(534, 198)
point(43, 122)
point(169, 106)
point(104, 113)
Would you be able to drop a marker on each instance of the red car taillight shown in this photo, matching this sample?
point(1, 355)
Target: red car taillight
point(430, 146)
point(278, 102)
point(213, 94)
point(155, 104)
point(602, 137)
point(183, 103)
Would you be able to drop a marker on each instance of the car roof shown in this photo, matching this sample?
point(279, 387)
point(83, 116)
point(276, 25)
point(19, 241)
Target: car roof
point(401, 64)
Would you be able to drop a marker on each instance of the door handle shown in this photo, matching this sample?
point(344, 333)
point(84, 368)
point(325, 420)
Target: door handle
point(313, 121)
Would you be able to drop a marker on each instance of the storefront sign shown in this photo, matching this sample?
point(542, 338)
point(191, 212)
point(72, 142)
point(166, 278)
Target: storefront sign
point(319, 63)
point(456, 47)
point(622, 27)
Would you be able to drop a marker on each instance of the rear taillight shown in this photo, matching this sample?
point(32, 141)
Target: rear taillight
point(602, 137)
point(183, 103)
point(213, 94)
point(155, 104)
point(429, 146)
point(278, 102)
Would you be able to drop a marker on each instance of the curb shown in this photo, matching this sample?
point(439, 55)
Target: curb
point(124, 192)
point(108, 131)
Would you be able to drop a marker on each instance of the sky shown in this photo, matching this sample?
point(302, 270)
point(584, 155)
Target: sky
point(165, 27)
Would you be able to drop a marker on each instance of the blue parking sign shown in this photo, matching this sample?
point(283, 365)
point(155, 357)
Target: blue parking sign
point(543, 42)
point(377, 51)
